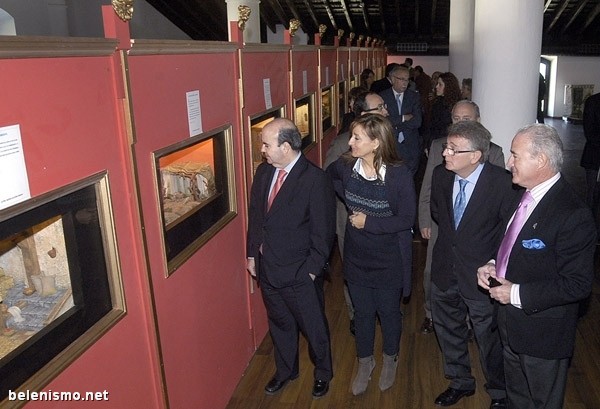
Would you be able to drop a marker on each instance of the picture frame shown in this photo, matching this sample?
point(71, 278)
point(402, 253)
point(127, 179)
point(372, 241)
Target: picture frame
point(327, 108)
point(60, 282)
point(255, 124)
point(342, 100)
point(195, 186)
point(304, 118)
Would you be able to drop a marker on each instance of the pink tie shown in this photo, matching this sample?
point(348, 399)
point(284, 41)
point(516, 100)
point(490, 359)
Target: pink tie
point(276, 187)
point(511, 234)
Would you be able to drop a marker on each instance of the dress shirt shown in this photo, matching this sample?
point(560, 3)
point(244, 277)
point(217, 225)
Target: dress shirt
point(287, 169)
point(472, 179)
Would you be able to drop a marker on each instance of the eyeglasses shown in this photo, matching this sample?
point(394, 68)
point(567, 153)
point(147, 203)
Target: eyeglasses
point(451, 151)
point(400, 78)
point(379, 107)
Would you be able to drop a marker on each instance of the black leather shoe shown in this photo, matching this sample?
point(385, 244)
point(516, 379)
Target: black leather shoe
point(275, 385)
point(320, 388)
point(450, 396)
point(498, 404)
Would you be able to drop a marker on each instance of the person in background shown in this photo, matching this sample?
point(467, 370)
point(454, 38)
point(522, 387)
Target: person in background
point(408, 62)
point(367, 77)
point(404, 107)
point(590, 158)
point(290, 194)
point(349, 116)
point(385, 82)
point(447, 94)
point(540, 99)
point(543, 270)
point(463, 111)
point(378, 190)
point(365, 102)
point(470, 199)
point(466, 88)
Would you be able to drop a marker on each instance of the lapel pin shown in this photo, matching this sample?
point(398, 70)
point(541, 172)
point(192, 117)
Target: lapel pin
point(534, 225)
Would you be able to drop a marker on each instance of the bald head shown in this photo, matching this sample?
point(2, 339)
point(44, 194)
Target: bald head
point(465, 110)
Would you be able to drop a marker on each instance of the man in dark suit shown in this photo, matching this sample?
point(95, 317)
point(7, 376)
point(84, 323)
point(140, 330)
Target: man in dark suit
point(291, 227)
point(470, 199)
point(590, 158)
point(386, 81)
point(405, 114)
point(544, 268)
point(462, 111)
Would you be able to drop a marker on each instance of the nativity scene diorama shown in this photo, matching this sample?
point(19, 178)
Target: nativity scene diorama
point(196, 192)
point(60, 281)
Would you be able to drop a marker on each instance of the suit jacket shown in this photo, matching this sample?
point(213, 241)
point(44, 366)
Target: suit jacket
point(435, 158)
point(297, 233)
point(552, 279)
point(458, 253)
point(400, 193)
point(410, 148)
point(380, 85)
point(590, 159)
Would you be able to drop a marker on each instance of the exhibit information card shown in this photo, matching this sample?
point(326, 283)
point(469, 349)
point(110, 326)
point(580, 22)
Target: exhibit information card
point(14, 185)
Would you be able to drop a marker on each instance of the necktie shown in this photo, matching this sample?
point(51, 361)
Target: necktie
point(280, 178)
point(511, 234)
point(399, 100)
point(460, 203)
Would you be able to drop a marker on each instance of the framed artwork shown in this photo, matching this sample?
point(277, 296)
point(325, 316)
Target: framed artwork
point(327, 108)
point(60, 282)
point(304, 118)
point(196, 190)
point(256, 123)
point(342, 101)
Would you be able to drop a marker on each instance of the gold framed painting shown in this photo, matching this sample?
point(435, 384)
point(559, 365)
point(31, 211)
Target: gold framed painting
point(60, 282)
point(304, 118)
point(195, 184)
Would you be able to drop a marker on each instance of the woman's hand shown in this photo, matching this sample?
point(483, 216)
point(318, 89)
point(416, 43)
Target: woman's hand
point(358, 219)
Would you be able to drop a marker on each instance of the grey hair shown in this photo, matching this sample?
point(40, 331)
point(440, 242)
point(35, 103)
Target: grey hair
point(468, 102)
point(545, 139)
point(477, 135)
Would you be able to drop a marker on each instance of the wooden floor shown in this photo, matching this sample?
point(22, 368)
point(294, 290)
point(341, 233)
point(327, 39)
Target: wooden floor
point(420, 376)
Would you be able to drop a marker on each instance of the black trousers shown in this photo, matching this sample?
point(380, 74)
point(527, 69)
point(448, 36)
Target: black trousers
point(294, 309)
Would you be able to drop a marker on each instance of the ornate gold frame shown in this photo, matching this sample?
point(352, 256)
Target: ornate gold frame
point(49, 351)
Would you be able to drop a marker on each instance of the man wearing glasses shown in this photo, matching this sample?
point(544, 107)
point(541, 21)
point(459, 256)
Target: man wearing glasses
point(470, 198)
point(405, 114)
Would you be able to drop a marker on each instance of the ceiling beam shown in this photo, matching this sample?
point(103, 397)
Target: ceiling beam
point(347, 14)
point(312, 13)
point(433, 13)
point(591, 17)
point(417, 17)
point(557, 14)
point(330, 14)
point(548, 2)
point(363, 8)
point(574, 16)
point(266, 17)
point(383, 30)
point(296, 15)
point(398, 23)
point(276, 7)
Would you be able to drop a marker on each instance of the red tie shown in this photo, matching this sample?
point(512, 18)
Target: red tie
point(280, 178)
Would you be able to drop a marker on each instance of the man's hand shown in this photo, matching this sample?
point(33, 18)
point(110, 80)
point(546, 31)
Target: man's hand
point(484, 273)
point(500, 293)
point(251, 267)
point(426, 232)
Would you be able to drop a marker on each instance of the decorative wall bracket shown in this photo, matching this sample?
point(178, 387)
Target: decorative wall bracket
point(123, 8)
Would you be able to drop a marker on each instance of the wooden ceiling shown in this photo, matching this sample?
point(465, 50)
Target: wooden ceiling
point(407, 26)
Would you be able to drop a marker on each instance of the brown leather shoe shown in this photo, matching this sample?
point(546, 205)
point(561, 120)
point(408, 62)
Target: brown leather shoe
point(427, 326)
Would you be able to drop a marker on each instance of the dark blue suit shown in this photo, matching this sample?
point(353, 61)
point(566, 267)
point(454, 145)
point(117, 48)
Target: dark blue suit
point(410, 148)
point(288, 242)
point(457, 254)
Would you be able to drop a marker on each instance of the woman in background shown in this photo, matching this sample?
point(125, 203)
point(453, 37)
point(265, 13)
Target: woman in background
point(448, 93)
point(378, 191)
point(366, 78)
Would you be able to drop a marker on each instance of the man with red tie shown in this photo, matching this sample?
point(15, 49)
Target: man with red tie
point(544, 268)
point(291, 228)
